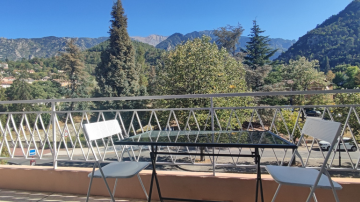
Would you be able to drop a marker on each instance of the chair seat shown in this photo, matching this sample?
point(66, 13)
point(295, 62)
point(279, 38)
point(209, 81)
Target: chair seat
point(121, 169)
point(299, 177)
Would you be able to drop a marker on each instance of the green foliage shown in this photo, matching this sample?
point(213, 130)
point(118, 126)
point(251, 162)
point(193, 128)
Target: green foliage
point(303, 74)
point(257, 49)
point(334, 42)
point(71, 62)
point(340, 114)
point(298, 75)
point(116, 74)
point(46, 90)
point(4, 153)
point(290, 120)
point(199, 67)
point(346, 76)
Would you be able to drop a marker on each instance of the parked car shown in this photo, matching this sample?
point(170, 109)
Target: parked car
point(313, 113)
point(349, 144)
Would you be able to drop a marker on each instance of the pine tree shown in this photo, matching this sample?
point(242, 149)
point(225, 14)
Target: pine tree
point(257, 49)
point(117, 75)
point(71, 62)
point(228, 37)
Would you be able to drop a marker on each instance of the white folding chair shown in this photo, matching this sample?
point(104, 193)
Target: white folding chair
point(106, 129)
point(309, 177)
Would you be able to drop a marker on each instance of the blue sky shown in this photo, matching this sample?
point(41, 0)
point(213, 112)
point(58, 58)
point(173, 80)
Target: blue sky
point(288, 19)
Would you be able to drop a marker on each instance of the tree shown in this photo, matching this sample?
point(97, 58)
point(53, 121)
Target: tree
point(357, 79)
point(21, 90)
point(330, 76)
point(351, 73)
point(340, 114)
point(326, 64)
point(228, 37)
point(116, 74)
point(46, 90)
point(255, 78)
point(257, 49)
point(298, 75)
point(71, 62)
point(199, 67)
point(303, 74)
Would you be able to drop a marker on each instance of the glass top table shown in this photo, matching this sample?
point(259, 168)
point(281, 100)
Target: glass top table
point(251, 139)
point(215, 139)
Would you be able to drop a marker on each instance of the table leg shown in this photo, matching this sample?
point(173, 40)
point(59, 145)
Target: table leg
point(152, 175)
point(153, 155)
point(258, 178)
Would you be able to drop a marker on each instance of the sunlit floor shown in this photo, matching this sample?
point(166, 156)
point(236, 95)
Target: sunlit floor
point(18, 195)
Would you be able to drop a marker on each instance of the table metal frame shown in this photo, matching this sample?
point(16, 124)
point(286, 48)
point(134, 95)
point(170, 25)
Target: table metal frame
point(256, 155)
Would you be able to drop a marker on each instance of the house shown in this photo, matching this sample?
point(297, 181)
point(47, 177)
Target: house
point(6, 84)
point(31, 71)
point(61, 71)
point(9, 78)
point(4, 65)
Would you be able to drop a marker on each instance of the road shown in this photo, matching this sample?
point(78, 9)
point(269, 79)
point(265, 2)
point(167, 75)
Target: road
point(268, 157)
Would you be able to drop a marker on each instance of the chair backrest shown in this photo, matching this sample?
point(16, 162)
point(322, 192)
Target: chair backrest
point(102, 129)
point(322, 129)
point(319, 129)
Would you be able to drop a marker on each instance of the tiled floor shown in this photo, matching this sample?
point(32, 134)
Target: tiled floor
point(18, 195)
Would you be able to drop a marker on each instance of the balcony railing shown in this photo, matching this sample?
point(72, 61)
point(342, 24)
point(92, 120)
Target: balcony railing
point(58, 136)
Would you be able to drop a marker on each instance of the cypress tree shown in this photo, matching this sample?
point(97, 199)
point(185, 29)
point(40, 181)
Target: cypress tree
point(257, 49)
point(72, 63)
point(326, 64)
point(116, 74)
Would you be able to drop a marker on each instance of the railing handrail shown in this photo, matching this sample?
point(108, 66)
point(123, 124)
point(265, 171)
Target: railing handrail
point(194, 109)
point(156, 97)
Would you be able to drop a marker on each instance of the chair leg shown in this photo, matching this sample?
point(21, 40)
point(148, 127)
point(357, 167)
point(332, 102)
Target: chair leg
point(115, 186)
point(276, 193)
point(312, 194)
point(91, 179)
point(143, 187)
point(107, 186)
point(332, 186)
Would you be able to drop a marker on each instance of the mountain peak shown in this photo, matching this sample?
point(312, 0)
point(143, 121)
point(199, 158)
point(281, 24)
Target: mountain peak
point(152, 39)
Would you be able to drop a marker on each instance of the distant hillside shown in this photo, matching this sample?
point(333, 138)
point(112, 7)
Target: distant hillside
point(177, 38)
point(151, 39)
point(150, 53)
point(335, 41)
point(15, 49)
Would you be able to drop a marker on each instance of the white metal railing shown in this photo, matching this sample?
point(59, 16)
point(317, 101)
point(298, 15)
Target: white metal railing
point(62, 139)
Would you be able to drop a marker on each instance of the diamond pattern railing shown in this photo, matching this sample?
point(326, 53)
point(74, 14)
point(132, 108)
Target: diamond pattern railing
point(58, 135)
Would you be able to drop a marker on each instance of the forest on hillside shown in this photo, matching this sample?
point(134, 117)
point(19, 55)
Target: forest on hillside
point(334, 42)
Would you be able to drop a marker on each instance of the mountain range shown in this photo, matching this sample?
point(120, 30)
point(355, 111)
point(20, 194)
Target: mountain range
point(177, 38)
point(15, 49)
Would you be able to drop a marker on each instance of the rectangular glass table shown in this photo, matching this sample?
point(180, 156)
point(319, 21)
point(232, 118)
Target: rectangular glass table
point(207, 139)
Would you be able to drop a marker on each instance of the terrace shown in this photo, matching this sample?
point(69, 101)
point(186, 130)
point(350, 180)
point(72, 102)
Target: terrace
point(64, 160)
